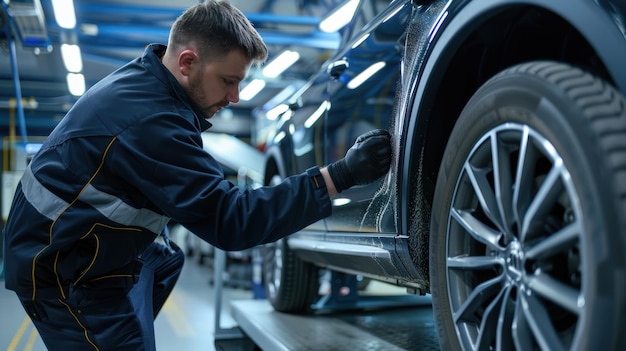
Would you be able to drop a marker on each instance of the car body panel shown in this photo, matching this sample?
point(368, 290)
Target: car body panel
point(424, 65)
point(421, 44)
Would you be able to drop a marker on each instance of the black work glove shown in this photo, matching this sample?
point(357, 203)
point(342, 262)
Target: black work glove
point(367, 160)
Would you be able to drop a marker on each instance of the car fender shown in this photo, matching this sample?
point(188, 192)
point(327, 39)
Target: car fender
point(449, 23)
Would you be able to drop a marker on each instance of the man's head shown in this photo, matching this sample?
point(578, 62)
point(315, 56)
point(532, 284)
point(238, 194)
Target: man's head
point(211, 48)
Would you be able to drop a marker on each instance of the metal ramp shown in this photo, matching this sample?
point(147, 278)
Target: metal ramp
point(339, 322)
point(272, 330)
point(394, 328)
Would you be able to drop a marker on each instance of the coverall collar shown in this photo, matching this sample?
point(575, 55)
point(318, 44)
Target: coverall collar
point(151, 59)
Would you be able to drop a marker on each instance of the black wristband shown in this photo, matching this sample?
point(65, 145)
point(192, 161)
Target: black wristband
point(316, 177)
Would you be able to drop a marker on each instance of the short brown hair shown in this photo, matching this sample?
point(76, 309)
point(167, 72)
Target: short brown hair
point(216, 28)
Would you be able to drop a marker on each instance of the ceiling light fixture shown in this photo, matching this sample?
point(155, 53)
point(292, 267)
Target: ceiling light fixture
point(281, 63)
point(72, 58)
point(76, 83)
point(339, 17)
point(64, 13)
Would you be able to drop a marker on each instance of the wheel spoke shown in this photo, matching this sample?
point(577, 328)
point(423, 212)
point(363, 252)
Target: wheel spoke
point(540, 324)
point(476, 299)
point(474, 262)
point(522, 335)
point(543, 201)
point(489, 322)
point(555, 243)
point(504, 336)
point(556, 292)
point(477, 229)
point(478, 177)
point(524, 176)
point(503, 182)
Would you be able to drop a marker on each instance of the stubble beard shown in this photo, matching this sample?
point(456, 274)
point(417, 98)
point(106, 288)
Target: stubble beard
point(197, 94)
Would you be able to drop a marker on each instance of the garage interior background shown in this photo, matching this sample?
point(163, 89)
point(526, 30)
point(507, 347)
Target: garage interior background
point(112, 32)
point(34, 74)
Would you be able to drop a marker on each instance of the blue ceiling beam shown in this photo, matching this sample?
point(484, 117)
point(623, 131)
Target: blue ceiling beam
point(119, 25)
point(258, 19)
point(110, 36)
point(125, 14)
point(120, 14)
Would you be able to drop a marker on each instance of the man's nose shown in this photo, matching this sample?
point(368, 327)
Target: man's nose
point(233, 94)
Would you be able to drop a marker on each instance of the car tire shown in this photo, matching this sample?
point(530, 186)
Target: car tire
point(291, 285)
point(528, 233)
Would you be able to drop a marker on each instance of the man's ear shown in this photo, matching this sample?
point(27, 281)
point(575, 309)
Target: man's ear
point(186, 59)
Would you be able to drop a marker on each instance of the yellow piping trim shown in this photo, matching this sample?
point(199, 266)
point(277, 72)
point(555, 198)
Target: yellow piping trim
point(80, 324)
point(61, 213)
point(93, 259)
point(56, 259)
point(90, 232)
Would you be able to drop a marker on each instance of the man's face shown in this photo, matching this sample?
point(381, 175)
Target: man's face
point(214, 85)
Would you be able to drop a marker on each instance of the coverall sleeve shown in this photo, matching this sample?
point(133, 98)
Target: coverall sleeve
point(167, 164)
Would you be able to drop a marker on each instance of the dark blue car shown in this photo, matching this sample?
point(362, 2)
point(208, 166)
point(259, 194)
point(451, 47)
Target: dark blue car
point(506, 199)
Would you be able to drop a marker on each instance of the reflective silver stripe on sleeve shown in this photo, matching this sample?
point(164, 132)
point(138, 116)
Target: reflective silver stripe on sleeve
point(113, 208)
point(118, 211)
point(44, 201)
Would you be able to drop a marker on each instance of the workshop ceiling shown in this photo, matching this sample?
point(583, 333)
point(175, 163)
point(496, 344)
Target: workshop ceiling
point(112, 32)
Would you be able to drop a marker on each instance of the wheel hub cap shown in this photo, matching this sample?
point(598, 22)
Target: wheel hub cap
point(514, 261)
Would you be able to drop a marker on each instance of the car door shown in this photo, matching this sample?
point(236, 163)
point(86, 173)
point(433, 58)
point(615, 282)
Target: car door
point(357, 104)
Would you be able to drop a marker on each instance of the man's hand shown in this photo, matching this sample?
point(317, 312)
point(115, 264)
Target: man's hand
point(367, 160)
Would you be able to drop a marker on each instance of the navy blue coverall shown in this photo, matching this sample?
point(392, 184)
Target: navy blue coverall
point(124, 161)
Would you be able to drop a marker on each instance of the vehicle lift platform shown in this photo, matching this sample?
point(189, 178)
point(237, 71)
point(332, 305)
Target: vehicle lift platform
point(338, 321)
